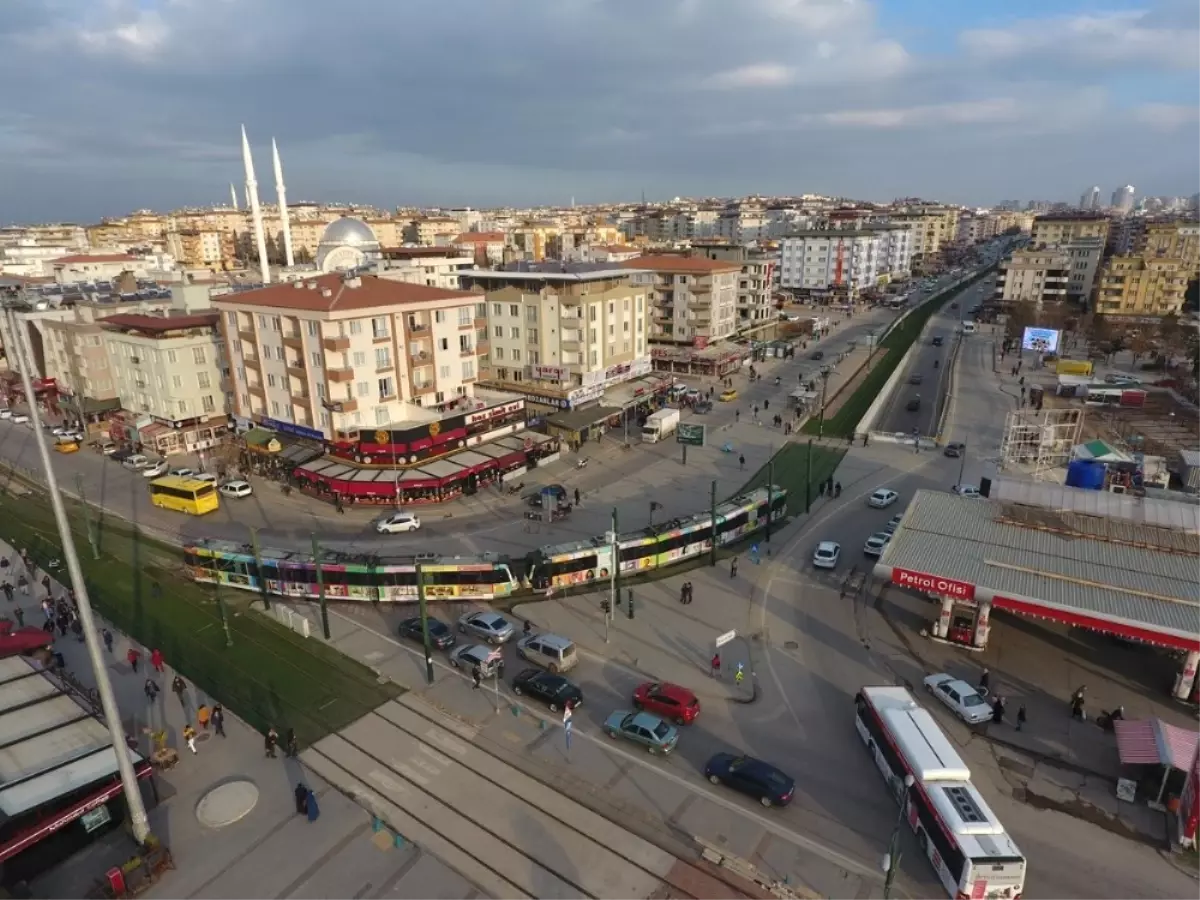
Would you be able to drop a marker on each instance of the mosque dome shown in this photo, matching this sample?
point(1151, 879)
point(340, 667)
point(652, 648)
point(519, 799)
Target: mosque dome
point(347, 243)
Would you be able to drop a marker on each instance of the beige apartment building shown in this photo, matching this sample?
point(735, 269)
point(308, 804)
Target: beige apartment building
point(932, 227)
point(430, 230)
point(76, 357)
point(692, 300)
point(1178, 239)
point(201, 249)
point(1059, 229)
point(564, 337)
point(1142, 286)
point(330, 355)
point(1033, 276)
point(534, 241)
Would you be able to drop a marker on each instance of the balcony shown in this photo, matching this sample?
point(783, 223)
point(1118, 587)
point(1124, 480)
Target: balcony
point(296, 367)
point(339, 376)
point(380, 337)
point(246, 334)
point(482, 347)
point(421, 357)
point(339, 344)
point(257, 389)
point(252, 362)
point(340, 407)
point(300, 395)
point(471, 324)
point(416, 328)
point(423, 387)
point(466, 352)
point(295, 341)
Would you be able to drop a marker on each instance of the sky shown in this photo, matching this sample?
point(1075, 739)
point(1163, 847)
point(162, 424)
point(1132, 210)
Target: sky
point(115, 105)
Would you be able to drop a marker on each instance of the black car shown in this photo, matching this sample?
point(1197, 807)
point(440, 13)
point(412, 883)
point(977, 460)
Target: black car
point(913, 405)
point(553, 690)
point(440, 634)
point(121, 455)
point(820, 354)
point(557, 491)
point(954, 449)
point(752, 777)
point(937, 340)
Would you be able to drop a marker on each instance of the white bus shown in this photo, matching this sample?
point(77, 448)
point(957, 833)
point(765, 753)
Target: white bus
point(974, 857)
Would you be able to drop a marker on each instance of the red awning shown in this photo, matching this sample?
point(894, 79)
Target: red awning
point(1156, 743)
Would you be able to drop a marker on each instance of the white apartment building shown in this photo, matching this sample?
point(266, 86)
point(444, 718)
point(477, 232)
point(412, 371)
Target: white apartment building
point(895, 253)
point(99, 267)
point(743, 226)
point(564, 335)
point(608, 253)
point(1033, 276)
point(327, 356)
point(845, 258)
point(1084, 256)
point(693, 300)
point(27, 258)
point(439, 267)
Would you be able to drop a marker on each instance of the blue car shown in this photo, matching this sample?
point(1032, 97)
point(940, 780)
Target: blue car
point(752, 777)
point(642, 728)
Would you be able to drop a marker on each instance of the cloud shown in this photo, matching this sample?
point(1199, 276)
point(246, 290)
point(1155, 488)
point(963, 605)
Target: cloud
point(998, 109)
point(756, 75)
point(1167, 116)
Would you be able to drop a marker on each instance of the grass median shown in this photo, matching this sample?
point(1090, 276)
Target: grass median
point(789, 469)
point(267, 675)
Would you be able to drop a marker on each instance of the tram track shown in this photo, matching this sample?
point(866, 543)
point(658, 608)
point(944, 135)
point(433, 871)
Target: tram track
point(425, 775)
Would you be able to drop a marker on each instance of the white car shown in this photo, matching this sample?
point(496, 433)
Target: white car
point(968, 490)
point(893, 524)
point(236, 489)
point(827, 555)
point(491, 627)
point(137, 462)
point(5, 413)
point(184, 472)
point(204, 476)
point(20, 418)
point(876, 543)
point(398, 523)
point(155, 470)
point(882, 497)
point(964, 701)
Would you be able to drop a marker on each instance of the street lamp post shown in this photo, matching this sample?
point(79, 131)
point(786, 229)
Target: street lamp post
point(891, 859)
point(825, 373)
point(962, 462)
point(871, 348)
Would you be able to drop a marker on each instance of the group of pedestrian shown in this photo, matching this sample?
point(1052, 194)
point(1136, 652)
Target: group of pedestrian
point(998, 703)
point(685, 593)
point(291, 747)
point(306, 802)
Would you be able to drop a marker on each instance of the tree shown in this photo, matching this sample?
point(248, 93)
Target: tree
point(1140, 345)
point(1020, 317)
point(302, 256)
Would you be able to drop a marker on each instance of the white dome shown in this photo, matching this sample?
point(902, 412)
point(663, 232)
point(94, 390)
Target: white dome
point(348, 232)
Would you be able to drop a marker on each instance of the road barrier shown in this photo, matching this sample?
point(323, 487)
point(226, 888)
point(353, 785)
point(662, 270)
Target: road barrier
point(867, 421)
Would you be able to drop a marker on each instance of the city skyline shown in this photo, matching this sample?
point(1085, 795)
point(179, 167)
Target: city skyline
point(604, 101)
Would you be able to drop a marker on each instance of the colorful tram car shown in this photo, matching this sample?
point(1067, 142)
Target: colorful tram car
point(348, 576)
point(659, 545)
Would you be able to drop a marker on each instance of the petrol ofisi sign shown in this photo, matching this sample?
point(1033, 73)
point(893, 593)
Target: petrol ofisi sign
point(934, 584)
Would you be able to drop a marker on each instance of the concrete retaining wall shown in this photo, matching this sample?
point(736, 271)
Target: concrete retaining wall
point(876, 407)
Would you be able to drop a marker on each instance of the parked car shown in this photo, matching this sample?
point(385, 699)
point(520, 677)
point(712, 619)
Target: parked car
point(642, 728)
point(398, 523)
point(204, 476)
point(236, 489)
point(728, 396)
point(20, 418)
point(670, 701)
point(970, 491)
point(468, 656)
point(702, 407)
point(136, 462)
point(827, 555)
point(876, 543)
point(955, 449)
point(492, 627)
point(6, 413)
point(122, 454)
point(963, 700)
point(155, 469)
point(550, 651)
point(882, 497)
point(440, 634)
point(753, 777)
point(893, 524)
point(818, 355)
point(556, 491)
point(183, 472)
point(553, 690)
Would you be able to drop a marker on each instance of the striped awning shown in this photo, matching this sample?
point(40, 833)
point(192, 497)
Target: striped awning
point(1155, 742)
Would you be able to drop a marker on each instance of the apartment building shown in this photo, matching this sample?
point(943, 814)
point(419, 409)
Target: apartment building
point(1033, 276)
point(532, 241)
point(76, 357)
point(324, 357)
point(430, 230)
point(1084, 256)
point(439, 267)
point(170, 375)
point(1170, 239)
point(973, 228)
point(608, 253)
point(755, 281)
point(845, 259)
point(1058, 229)
point(1009, 219)
point(743, 226)
point(562, 338)
point(98, 267)
point(1142, 286)
point(693, 300)
point(931, 228)
point(201, 249)
point(486, 248)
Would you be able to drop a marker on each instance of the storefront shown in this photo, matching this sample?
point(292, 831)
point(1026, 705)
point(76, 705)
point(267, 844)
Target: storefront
point(548, 397)
point(579, 426)
point(710, 362)
point(147, 434)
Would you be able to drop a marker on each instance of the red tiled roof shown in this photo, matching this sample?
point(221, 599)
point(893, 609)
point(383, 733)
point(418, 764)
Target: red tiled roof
point(687, 265)
point(158, 324)
point(96, 258)
point(372, 293)
point(480, 237)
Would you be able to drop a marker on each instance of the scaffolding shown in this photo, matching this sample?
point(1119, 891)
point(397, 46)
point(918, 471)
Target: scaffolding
point(1038, 442)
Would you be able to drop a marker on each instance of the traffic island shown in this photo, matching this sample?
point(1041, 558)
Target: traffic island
point(798, 468)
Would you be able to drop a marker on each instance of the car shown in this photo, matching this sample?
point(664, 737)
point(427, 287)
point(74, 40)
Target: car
point(970, 491)
point(20, 418)
point(183, 472)
point(963, 700)
point(702, 406)
point(136, 462)
point(553, 690)
point(728, 396)
point(398, 523)
point(550, 651)
point(155, 469)
point(492, 627)
point(818, 355)
point(893, 524)
point(916, 378)
point(876, 543)
point(642, 728)
point(1120, 380)
point(24, 641)
point(468, 656)
point(914, 404)
point(557, 491)
point(954, 305)
point(204, 476)
point(753, 777)
point(107, 448)
point(440, 634)
point(670, 701)
point(881, 498)
point(56, 430)
point(955, 449)
point(236, 489)
point(6, 413)
point(937, 340)
point(121, 454)
point(826, 555)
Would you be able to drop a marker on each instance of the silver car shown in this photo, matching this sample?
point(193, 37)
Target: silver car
point(489, 626)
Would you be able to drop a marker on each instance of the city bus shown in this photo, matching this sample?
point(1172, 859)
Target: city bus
point(185, 495)
point(956, 830)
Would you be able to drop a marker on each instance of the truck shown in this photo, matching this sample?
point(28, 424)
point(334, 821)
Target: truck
point(660, 426)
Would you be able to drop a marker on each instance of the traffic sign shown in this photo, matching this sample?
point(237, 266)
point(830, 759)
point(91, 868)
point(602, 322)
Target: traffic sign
point(691, 434)
point(725, 638)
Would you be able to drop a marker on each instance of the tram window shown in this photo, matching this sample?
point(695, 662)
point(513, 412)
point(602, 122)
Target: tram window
point(397, 578)
point(578, 564)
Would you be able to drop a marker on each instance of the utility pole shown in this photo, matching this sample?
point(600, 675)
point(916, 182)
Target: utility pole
point(424, 607)
point(108, 703)
point(262, 578)
point(808, 479)
point(712, 511)
point(825, 370)
point(220, 598)
point(770, 490)
point(87, 517)
point(614, 569)
point(316, 552)
point(962, 463)
point(891, 859)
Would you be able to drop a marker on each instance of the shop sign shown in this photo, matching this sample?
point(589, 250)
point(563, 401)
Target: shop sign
point(691, 435)
point(933, 584)
point(643, 365)
point(291, 428)
point(495, 412)
point(548, 373)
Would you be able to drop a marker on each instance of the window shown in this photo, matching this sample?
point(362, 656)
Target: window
point(279, 354)
point(324, 419)
point(611, 307)
point(262, 322)
point(360, 359)
point(183, 407)
point(498, 331)
point(314, 328)
point(207, 404)
point(532, 334)
point(202, 380)
point(591, 335)
point(177, 381)
point(171, 357)
point(464, 343)
point(592, 312)
point(275, 410)
point(497, 309)
point(464, 315)
point(320, 390)
point(531, 315)
point(363, 388)
point(356, 326)
point(245, 401)
point(534, 358)
point(275, 324)
point(231, 318)
point(498, 353)
point(386, 388)
point(443, 343)
point(516, 355)
point(515, 333)
point(443, 371)
point(272, 381)
point(481, 310)
point(468, 368)
point(315, 356)
point(439, 316)
point(383, 357)
point(514, 311)
point(379, 327)
point(381, 415)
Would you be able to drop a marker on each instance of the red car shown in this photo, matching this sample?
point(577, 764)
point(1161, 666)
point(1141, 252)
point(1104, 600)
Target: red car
point(22, 641)
point(670, 701)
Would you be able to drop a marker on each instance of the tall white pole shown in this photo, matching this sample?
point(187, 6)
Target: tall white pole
point(233, 195)
point(283, 207)
point(255, 210)
point(108, 703)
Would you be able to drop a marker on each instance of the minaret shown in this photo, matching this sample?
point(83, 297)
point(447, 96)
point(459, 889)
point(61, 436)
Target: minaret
point(233, 195)
point(283, 207)
point(255, 209)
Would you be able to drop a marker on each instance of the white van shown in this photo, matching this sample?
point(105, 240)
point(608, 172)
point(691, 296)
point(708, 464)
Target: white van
point(969, 327)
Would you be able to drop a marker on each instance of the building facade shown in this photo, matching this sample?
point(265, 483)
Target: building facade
point(1142, 286)
point(1033, 276)
point(845, 259)
point(1059, 229)
point(755, 281)
point(692, 300)
point(1084, 256)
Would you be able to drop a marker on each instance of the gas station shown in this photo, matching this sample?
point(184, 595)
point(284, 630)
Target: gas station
point(1119, 565)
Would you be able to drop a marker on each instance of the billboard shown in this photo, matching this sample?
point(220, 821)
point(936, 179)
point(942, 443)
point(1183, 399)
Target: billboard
point(1041, 340)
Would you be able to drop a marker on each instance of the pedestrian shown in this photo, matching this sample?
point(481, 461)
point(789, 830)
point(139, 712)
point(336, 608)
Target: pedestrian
point(301, 795)
point(1021, 717)
point(741, 461)
point(48, 610)
point(202, 716)
point(77, 628)
point(271, 741)
point(48, 627)
point(476, 676)
point(733, 567)
point(984, 677)
point(62, 621)
point(8, 591)
point(821, 489)
point(178, 686)
point(526, 628)
point(683, 593)
point(133, 657)
point(107, 637)
point(576, 496)
point(23, 584)
point(19, 615)
point(998, 711)
point(189, 735)
point(714, 667)
point(737, 415)
point(291, 747)
point(156, 660)
point(150, 689)
point(218, 719)
point(690, 592)
point(310, 806)
point(1077, 703)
